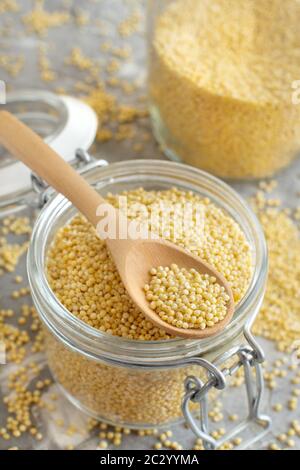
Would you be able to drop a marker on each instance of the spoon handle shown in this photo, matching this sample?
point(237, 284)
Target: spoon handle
point(23, 143)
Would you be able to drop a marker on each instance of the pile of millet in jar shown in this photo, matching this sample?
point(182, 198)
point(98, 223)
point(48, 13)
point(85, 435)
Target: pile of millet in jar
point(186, 298)
point(221, 80)
point(85, 279)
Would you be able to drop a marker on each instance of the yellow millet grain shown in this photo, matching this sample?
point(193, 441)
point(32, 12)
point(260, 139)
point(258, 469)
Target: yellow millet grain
point(16, 225)
point(12, 64)
point(221, 78)
point(46, 72)
point(40, 21)
point(102, 102)
point(113, 66)
point(186, 298)
point(20, 401)
point(273, 446)
point(14, 339)
point(117, 120)
point(123, 52)
point(80, 60)
point(130, 25)
point(85, 279)
point(279, 317)
point(10, 254)
point(9, 5)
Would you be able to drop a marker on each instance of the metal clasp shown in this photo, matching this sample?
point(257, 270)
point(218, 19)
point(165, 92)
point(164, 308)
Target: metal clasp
point(247, 357)
point(83, 161)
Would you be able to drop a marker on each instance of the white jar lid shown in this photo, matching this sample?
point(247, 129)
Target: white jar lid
point(64, 122)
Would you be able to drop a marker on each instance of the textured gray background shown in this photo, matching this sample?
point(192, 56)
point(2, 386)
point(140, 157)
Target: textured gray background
point(60, 41)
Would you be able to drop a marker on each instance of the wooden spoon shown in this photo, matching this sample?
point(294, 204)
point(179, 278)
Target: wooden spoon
point(133, 257)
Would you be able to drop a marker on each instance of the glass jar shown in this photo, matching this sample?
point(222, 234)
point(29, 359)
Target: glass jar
point(142, 384)
point(224, 95)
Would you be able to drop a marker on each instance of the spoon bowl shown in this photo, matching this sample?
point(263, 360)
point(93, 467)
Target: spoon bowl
point(146, 254)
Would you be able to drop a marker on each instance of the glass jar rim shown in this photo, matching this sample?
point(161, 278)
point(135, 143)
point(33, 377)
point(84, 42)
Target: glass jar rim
point(95, 344)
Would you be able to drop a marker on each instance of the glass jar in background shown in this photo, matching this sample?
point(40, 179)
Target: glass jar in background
point(223, 83)
point(142, 384)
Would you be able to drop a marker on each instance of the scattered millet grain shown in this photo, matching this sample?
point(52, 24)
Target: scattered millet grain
point(117, 120)
point(113, 66)
point(12, 64)
point(279, 318)
point(14, 339)
point(39, 20)
point(237, 441)
point(9, 5)
point(17, 341)
point(282, 438)
point(290, 443)
point(10, 254)
point(19, 402)
point(273, 446)
point(16, 225)
point(123, 52)
point(81, 61)
point(293, 404)
point(104, 135)
point(157, 446)
point(278, 407)
point(220, 80)
point(233, 417)
point(103, 103)
point(227, 446)
point(103, 445)
point(130, 25)
point(185, 298)
point(46, 72)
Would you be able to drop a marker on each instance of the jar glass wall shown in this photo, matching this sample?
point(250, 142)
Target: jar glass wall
point(222, 83)
point(130, 382)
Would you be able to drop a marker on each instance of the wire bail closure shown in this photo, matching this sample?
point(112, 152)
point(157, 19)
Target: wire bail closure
point(249, 357)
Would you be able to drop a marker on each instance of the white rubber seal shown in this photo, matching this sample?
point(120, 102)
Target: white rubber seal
point(79, 132)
